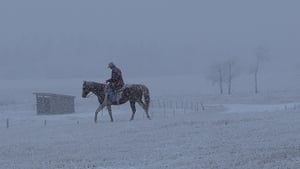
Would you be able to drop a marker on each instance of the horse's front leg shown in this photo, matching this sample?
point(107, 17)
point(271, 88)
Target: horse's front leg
point(97, 111)
point(110, 113)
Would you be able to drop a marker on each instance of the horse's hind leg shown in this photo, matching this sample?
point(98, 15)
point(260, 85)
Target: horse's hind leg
point(143, 105)
point(132, 105)
point(110, 113)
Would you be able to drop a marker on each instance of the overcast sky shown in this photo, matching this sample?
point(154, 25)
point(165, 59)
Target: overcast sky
point(76, 38)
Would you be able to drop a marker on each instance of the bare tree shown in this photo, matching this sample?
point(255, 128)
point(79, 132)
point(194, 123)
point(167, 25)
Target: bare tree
point(224, 72)
point(220, 79)
point(232, 71)
point(262, 55)
point(230, 65)
point(216, 75)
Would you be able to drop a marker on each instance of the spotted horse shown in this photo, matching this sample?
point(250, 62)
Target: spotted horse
point(134, 93)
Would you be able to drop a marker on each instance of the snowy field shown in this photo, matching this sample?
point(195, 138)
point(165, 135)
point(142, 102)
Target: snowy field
point(186, 131)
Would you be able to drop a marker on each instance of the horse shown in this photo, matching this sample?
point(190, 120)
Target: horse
point(134, 93)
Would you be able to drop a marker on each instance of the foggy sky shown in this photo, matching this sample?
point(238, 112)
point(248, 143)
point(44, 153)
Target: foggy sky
point(75, 38)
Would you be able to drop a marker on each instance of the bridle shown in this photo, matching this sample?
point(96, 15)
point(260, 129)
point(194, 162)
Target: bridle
point(89, 95)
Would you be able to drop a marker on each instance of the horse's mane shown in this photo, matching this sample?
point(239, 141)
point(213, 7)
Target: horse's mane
point(92, 83)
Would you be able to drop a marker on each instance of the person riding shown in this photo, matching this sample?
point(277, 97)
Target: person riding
point(115, 82)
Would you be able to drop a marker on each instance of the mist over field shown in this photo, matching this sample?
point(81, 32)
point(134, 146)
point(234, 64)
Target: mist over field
point(223, 76)
point(61, 39)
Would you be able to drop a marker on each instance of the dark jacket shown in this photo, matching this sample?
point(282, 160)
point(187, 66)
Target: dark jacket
point(116, 80)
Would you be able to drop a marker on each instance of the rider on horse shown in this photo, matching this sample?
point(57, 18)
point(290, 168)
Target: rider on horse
point(114, 83)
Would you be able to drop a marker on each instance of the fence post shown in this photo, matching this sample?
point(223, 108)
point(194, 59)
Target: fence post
point(202, 105)
point(164, 105)
point(7, 123)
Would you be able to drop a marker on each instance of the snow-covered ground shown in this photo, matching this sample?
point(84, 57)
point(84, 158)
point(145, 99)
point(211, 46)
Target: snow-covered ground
point(238, 131)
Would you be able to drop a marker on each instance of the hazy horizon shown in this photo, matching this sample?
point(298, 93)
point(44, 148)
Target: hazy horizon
point(74, 38)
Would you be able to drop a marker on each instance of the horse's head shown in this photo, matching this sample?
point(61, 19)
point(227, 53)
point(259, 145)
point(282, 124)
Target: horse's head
point(86, 89)
point(94, 87)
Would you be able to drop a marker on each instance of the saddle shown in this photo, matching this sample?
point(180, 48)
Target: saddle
point(115, 95)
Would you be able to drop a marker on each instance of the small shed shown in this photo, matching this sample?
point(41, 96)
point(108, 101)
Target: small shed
point(50, 103)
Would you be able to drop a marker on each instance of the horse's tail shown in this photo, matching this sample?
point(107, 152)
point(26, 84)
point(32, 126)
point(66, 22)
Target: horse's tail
point(146, 95)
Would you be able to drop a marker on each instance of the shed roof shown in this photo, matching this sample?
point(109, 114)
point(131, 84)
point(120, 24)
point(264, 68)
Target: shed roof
point(51, 95)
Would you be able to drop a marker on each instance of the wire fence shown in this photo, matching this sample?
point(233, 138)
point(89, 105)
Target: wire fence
point(26, 116)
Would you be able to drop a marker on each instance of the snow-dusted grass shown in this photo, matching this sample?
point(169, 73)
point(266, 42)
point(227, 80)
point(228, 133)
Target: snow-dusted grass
point(239, 131)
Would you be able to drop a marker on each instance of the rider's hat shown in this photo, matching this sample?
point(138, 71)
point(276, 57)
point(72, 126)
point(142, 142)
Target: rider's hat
point(111, 65)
